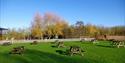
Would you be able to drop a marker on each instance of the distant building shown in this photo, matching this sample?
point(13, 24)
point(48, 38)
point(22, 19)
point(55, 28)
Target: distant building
point(2, 32)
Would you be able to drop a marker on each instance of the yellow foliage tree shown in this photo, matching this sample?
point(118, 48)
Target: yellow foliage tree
point(54, 24)
point(36, 28)
point(59, 27)
point(91, 30)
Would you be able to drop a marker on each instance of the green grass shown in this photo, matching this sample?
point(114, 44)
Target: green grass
point(45, 53)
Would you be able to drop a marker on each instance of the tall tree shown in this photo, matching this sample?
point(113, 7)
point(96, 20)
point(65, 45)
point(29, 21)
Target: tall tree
point(80, 28)
point(90, 30)
point(54, 25)
point(36, 27)
point(49, 24)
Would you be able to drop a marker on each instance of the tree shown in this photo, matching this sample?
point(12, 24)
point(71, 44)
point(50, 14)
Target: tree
point(69, 32)
point(54, 25)
point(59, 27)
point(12, 33)
point(117, 30)
point(79, 28)
point(49, 24)
point(36, 27)
point(90, 30)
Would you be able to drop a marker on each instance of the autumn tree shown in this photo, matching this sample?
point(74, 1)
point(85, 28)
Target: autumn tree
point(70, 31)
point(54, 25)
point(12, 33)
point(23, 33)
point(49, 24)
point(117, 30)
point(90, 30)
point(59, 27)
point(36, 27)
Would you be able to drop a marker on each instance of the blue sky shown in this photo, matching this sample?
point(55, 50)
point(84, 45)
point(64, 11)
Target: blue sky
point(20, 13)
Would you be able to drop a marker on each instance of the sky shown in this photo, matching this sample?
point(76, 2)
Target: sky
point(20, 13)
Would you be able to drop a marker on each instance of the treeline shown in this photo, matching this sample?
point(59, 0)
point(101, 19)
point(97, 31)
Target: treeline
point(51, 26)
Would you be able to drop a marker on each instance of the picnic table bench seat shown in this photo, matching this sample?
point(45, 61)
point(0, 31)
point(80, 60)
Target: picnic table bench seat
point(17, 50)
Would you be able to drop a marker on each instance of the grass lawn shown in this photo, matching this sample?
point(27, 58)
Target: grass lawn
point(45, 53)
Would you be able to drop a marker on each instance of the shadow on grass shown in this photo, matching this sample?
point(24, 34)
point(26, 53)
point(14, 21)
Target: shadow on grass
point(61, 52)
point(105, 46)
point(86, 42)
point(54, 46)
point(35, 56)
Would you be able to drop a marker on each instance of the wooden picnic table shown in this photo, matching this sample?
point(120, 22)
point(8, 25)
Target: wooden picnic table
point(34, 43)
point(60, 44)
point(17, 50)
point(75, 50)
point(118, 43)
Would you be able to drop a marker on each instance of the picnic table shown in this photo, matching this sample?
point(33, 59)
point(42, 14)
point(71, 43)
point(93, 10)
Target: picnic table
point(75, 50)
point(34, 43)
point(17, 50)
point(117, 43)
point(60, 44)
point(6, 43)
point(91, 40)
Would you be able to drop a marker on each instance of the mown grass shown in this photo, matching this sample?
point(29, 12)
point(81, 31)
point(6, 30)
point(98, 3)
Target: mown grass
point(45, 53)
